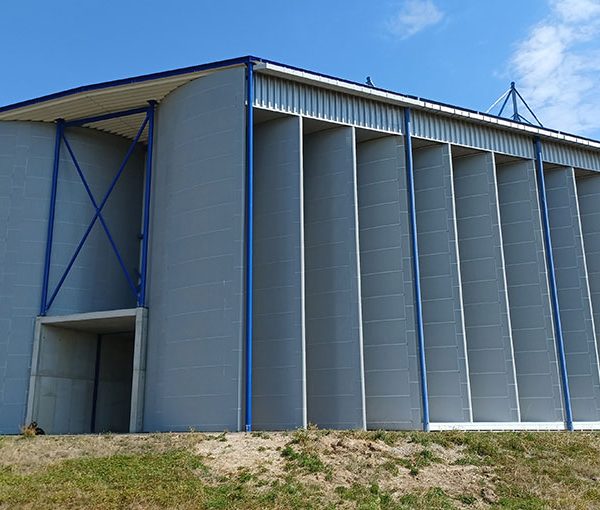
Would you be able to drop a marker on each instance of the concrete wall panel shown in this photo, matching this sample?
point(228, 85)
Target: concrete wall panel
point(445, 351)
point(196, 273)
point(573, 295)
point(529, 296)
point(391, 368)
point(278, 384)
point(487, 323)
point(335, 397)
point(65, 383)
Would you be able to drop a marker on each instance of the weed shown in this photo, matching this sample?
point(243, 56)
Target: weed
point(260, 434)
point(307, 461)
point(467, 499)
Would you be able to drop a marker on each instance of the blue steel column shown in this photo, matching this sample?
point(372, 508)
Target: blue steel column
point(416, 268)
point(60, 126)
point(560, 347)
point(249, 238)
point(147, 191)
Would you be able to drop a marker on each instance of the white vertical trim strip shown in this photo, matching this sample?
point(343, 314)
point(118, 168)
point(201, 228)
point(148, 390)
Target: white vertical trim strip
point(302, 273)
point(358, 283)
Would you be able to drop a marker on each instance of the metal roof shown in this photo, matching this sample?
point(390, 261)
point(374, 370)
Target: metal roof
point(108, 97)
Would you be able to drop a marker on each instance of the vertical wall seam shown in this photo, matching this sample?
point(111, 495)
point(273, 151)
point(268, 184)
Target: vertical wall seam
point(358, 281)
point(302, 275)
point(459, 276)
point(416, 266)
point(505, 281)
point(552, 278)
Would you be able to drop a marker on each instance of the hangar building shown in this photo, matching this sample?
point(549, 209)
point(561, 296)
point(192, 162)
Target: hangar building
point(247, 245)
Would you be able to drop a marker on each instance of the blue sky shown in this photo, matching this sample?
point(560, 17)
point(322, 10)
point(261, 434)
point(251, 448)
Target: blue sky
point(463, 52)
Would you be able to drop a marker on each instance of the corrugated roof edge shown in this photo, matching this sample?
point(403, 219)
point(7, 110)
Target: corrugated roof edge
point(245, 60)
point(422, 99)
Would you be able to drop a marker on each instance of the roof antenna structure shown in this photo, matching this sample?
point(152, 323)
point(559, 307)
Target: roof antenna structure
point(513, 95)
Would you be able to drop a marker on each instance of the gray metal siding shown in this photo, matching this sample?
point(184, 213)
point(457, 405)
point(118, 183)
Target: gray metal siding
point(196, 273)
point(25, 168)
point(573, 296)
point(487, 324)
point(278, 401)
point(588, 192)
point(391, 368)
point(333, 339)
point(529, 298)
point(440, 285)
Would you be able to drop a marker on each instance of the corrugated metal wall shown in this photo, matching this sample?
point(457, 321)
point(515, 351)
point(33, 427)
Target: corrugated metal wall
point(275, 93)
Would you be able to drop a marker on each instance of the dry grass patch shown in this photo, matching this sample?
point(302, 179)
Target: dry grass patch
point(302, 470)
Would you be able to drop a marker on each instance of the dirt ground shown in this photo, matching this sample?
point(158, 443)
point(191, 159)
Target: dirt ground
point(343, 459)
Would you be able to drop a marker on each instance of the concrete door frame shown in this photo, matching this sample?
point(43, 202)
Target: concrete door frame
point(134, 318)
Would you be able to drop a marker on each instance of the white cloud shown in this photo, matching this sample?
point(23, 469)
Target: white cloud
point(558, 67)
point(412, 17)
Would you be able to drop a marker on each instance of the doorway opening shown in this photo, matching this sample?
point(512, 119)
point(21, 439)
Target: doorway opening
point(88, 372)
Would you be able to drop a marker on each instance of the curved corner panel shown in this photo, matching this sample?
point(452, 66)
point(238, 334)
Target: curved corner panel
point(278, 352)
point(485, 303)
point(197, 258)
point(391, 367)
point(529, 294)
point(334, 375)
point(573, 295)
point(443, 323)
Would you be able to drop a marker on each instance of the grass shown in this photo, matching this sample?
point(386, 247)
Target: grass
point(310, 469)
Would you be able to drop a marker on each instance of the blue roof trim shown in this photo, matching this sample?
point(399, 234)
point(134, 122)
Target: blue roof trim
point(245, 60)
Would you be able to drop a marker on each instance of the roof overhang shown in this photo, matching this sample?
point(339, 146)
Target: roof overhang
point(110, 97)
